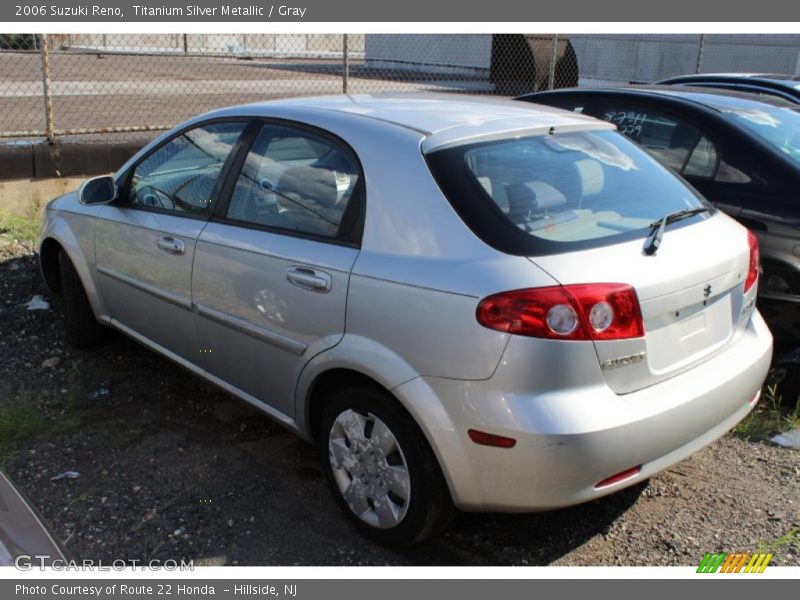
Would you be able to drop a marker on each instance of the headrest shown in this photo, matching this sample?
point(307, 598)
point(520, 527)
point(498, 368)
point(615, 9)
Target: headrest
point(591, 174)
point(533, 195)
point(309, 184)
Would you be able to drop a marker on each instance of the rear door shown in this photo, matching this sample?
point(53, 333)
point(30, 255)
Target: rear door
point(145, 242)
point(272, 268)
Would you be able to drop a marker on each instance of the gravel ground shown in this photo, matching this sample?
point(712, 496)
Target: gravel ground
point(172, 468)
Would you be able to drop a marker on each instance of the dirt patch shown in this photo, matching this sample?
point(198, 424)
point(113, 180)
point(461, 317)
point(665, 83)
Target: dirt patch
point(21, 197)
point(172, 468)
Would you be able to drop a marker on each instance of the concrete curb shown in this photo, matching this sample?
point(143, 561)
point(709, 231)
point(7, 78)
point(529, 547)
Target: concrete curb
point(64, 160)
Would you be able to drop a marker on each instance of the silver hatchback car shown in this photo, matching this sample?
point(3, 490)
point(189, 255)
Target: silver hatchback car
point(464, 302)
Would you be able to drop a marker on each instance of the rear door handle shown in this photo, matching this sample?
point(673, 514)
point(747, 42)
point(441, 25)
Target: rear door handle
point(309, 279)
point(171, 244)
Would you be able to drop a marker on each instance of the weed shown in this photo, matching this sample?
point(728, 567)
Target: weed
point(770, 416)
point(23, 229)
point(790, 538)
point(26, 416)
point(20, 419)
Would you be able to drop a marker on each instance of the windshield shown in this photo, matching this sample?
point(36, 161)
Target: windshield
point(556, 193)
point(780, 128)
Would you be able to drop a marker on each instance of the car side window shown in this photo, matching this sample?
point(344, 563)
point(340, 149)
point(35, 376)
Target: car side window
point(703, 159)
point(296, 181)
point(675, 143)
point(180, 175)
point(570, 103)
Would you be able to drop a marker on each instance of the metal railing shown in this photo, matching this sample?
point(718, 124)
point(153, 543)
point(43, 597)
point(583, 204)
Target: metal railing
point(76, 87)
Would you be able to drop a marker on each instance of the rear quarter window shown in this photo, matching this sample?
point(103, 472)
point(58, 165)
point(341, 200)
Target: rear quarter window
point(674, 142)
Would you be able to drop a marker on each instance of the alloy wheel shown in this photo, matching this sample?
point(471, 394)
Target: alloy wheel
point(369, 469)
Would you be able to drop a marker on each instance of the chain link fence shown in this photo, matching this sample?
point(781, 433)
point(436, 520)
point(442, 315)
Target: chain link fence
point(79, 87)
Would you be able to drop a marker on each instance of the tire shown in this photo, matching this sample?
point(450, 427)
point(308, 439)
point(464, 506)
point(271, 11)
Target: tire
point(80, 325)
point(780, 278)
point(368, 478)
point(786, 379)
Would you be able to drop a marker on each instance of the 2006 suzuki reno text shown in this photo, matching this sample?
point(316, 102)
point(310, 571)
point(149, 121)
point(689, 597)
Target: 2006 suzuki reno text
point(466, 303)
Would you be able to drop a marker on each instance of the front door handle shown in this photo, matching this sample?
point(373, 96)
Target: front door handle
point(172, 245)
point(309, 279)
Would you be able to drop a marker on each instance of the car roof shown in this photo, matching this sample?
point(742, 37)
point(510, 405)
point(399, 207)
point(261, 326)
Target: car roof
point(781, 79)
point(720, 100)
point(442, 118)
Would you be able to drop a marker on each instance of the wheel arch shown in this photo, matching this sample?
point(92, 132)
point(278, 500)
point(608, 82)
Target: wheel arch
point(355, 359)
point(362, 361)
point(48, 264)
point(58, 234)
point(778, 266)
point(324, 387)
point(781, 262)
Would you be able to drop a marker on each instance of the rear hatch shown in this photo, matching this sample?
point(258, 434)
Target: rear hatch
point(581, 204)
point(691, 294)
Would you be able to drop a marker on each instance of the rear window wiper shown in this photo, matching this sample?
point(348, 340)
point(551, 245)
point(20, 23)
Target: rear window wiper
point(653, 240)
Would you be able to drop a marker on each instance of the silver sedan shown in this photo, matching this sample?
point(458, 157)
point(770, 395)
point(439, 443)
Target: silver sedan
point(466, 303)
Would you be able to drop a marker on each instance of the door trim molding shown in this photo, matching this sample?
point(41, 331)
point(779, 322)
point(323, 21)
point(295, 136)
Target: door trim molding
point(275, 339)
point(147, 288)
point(275, 414)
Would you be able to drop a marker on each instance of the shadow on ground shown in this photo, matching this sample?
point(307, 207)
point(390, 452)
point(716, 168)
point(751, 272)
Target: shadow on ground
point(172, 468)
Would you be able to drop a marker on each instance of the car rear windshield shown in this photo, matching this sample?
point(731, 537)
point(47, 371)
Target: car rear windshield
point(547, 194)
point(779, 127)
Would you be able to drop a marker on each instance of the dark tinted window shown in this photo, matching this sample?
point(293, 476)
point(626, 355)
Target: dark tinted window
point(180, 175)
point(778, 127)
point(571, 103)
point(676, 143)
point(296, 181)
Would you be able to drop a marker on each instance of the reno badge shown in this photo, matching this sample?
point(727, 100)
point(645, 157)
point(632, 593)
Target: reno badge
point(748, 306)
point(623, 361)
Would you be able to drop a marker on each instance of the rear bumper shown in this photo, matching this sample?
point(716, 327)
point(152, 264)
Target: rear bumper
point(568, 440)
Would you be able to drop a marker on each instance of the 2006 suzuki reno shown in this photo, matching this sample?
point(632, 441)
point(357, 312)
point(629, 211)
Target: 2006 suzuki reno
point(466, 303)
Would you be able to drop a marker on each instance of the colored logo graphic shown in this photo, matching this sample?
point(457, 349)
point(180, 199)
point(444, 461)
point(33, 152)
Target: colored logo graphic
point(734, 562)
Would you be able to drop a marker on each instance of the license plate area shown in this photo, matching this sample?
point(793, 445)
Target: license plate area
point(685, 335)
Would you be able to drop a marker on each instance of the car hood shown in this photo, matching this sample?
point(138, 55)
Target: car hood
point(63, 201)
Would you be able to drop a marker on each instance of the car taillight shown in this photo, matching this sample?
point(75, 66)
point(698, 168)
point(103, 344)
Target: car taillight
point(752, 269)
point(588, 311)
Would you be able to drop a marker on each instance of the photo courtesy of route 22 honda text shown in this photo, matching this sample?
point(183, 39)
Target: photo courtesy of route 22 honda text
point(466, 303)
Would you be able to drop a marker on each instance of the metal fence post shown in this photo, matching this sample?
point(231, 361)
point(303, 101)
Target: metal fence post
point(552, 78)
point(46, 91)
point(700, 53)
point(797, 63)
point(345, 64)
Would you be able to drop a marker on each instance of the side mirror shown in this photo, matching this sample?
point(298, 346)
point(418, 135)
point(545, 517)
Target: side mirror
point(98, 190)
